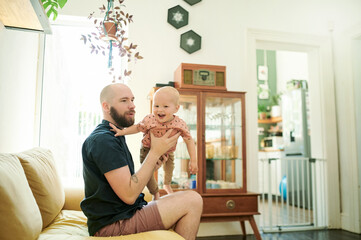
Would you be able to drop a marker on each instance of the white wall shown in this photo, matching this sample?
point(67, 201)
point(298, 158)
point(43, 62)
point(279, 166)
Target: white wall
point(347, 77)
point(18, 69)
point(223, 34)
point(222, 25)
point(290, 65)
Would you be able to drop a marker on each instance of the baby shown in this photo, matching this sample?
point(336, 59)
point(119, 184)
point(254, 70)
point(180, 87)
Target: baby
point(165, 105)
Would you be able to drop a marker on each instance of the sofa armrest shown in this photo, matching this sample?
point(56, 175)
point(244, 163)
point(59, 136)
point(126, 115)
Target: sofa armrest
point(73, 197)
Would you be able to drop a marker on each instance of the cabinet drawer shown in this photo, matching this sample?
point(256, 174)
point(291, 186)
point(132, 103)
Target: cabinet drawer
point(230, 204)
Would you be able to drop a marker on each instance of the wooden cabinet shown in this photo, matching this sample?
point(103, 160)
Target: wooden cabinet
point(216, 120)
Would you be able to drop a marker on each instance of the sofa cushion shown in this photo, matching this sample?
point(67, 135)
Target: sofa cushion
point(19, 214)
point(71, 225)
point(44, 181)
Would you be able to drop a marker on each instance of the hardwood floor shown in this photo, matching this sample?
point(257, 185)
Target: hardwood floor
point(276, 213)
point(303, 235)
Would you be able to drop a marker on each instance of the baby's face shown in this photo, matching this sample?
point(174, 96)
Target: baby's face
point(164, 107)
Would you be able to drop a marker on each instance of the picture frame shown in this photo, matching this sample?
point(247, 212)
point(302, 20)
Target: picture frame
point(190, 41)
point(263, 91)
point(177, 17)
point(192, 2)
point(262, 73)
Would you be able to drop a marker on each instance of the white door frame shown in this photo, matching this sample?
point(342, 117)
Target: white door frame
point(319, 50)
point(350, 75)
point(356, 49)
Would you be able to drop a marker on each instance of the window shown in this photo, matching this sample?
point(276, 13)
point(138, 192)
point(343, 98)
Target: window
point(73, 79)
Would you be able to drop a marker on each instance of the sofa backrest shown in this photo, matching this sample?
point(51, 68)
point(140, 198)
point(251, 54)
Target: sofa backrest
point(20, 216)
point(44, 181)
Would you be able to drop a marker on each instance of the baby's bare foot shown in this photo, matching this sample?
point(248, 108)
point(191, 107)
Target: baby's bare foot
point(168, 188)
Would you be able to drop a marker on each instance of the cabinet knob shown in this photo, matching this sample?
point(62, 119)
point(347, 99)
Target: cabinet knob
point(230, 204)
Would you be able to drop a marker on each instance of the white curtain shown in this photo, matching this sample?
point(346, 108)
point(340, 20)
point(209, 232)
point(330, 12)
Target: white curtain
point(73, 79)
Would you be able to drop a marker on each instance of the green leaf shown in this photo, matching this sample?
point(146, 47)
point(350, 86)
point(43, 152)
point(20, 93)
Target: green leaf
point(62, 3)
point(52, 11)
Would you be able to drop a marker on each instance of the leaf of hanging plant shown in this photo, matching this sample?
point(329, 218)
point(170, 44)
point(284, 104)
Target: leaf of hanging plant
point(103, 53)
point(83, 38)
point(121, 12)
point(121, 1)
point(91, 15)
point(127, 73)
point(139, 57)
point(102, 8)
point(117, 7)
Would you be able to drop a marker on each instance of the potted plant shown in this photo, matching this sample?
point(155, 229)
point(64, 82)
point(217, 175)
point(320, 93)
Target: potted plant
point(110, 33)
point(262, 111)
point(276, 109)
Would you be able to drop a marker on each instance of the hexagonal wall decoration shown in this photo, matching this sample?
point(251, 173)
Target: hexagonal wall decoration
point(177, 16)
point(192, 2)
point(190, 42)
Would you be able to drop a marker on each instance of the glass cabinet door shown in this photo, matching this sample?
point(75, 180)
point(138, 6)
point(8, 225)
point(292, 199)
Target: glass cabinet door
point(181, 177)
point(223, 143)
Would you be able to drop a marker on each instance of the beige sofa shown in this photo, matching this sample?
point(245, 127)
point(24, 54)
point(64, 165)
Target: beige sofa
point(33, 204)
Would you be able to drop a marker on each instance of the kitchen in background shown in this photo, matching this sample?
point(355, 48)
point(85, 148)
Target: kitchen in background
point(284, 140)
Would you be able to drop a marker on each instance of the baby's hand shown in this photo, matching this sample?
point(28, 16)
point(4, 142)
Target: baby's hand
point(117, 131)
point(193, 167)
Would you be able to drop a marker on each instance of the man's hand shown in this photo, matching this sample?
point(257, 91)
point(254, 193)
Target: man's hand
point(161, 145)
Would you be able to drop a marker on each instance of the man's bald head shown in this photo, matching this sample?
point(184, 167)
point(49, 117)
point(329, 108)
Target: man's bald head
point(109, 92)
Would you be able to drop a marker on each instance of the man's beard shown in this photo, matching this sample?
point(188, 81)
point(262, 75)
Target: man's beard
point(121, 120)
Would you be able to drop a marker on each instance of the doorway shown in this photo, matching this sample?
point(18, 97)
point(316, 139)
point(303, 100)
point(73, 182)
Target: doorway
point(286, 166)
point(313, 213)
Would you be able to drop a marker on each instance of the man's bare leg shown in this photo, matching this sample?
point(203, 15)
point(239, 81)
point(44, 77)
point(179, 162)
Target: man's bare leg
point(168, 189)
point(182, 209)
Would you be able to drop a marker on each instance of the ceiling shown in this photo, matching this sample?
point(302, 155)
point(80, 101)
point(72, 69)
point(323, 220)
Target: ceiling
point(24, 15)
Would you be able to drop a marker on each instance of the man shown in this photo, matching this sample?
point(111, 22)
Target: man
point(113, 200)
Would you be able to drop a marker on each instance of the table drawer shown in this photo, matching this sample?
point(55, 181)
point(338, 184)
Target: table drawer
point(230, 204)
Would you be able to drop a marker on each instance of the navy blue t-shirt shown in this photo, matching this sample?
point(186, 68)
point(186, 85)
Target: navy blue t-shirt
point(102, 152)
